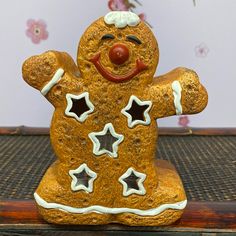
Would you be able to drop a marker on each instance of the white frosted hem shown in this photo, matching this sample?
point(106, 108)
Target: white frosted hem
point(108, 210)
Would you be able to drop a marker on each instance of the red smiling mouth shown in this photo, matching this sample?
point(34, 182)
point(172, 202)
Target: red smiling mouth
point(140, 66)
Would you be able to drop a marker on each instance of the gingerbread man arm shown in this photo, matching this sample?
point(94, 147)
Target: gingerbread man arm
point(177, 92)
point(44, 71)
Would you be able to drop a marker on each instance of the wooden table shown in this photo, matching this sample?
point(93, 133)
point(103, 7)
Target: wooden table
point(199, 218)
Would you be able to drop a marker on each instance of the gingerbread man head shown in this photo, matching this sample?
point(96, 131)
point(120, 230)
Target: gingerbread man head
point(118, 48)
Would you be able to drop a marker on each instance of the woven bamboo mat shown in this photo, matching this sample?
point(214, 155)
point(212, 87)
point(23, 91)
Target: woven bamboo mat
point(207, 164)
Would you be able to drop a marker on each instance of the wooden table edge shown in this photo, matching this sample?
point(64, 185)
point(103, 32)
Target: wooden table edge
point(197, 217)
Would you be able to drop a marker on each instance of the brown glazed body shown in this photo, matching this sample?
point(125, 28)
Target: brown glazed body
point(70, 137)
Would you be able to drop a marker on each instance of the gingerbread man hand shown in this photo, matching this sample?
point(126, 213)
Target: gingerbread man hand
point(177, 92)
point(45, 71)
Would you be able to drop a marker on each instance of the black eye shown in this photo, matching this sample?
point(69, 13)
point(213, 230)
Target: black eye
point(108, 36)
point(134, 39)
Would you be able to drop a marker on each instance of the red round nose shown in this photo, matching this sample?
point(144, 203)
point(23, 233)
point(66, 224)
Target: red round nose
point(119, 54)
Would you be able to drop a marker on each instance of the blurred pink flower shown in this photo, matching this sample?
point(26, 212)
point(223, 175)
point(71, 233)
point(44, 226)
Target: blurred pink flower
point(183, 121)
point(201, 50)
point(36, 30)
point(142, 17)
point(118, 5)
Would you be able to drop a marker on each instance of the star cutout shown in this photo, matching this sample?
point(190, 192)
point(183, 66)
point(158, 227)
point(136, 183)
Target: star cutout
point(132, 181)
point(79, 106)
point(82, 178)
point(106, 141)
point(137, 112)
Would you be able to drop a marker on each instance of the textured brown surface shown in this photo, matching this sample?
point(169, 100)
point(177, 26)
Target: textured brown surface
point(70, 138)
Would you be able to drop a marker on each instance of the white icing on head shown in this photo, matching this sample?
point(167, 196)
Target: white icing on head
point(121, 18)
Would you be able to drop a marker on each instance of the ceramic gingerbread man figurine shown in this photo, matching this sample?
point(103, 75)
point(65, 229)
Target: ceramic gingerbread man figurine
point(104, 130)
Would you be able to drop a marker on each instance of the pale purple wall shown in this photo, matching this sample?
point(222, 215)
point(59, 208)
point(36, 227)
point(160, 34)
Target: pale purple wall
point(201, 37)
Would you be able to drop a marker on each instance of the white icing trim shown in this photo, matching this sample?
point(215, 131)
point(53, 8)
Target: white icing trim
point(89, 172)
point(176, 87)
point(108, 210)
point(128, 191)
point(57, 76)
point(97, 145)
point(83, 116)
point(132, 123)
point(121, 18)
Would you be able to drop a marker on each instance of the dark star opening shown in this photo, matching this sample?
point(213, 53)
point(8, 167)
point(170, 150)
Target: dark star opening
point(132, 181)
point(106, 141)
point(79, 106)
point(137, 111)
point(82, 179)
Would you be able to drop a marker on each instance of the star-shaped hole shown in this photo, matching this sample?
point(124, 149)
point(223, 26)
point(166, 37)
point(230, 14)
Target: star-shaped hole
point(79, 106)
point(82, 178)
point(106, 141)
point(132, 182)
point(137, 112)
